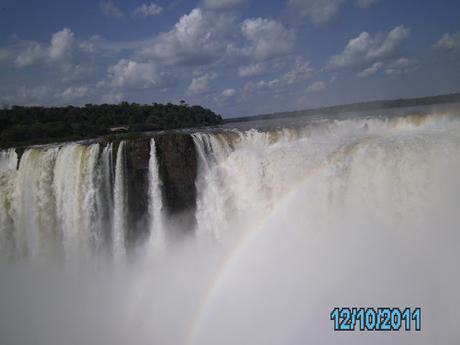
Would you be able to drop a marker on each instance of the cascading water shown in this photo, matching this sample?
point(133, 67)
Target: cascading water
point(300, 219)
point(357, 212)
point(119, 210)
point(8, 160)
point(104, 199)
point(157, 229)
point(58, 201)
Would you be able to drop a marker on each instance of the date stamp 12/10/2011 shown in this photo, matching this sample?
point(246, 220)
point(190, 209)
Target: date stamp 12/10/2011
point(376, 319)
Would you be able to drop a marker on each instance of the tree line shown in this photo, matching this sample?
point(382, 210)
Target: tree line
point(20, 125)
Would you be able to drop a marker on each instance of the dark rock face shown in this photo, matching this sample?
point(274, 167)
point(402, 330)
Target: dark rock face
point(177, 162)
point(177, 165)
point(19, 151)
point(137, 175)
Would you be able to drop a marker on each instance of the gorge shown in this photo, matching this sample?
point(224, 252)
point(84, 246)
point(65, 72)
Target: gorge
point(228, 235)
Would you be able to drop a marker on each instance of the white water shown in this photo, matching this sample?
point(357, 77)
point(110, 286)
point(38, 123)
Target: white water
point(55, 203)
point(157, 228)
point(357, 212)
point(119, 210)
point(8, 160)
point(371, 221)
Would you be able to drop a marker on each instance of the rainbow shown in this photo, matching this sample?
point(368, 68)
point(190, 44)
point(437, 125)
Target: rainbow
point(251, 236)
point(254, 232)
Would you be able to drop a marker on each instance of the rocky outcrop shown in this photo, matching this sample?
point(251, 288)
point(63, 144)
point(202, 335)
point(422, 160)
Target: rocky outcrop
point(177, 161)
point(177, 165)
point(137, 169)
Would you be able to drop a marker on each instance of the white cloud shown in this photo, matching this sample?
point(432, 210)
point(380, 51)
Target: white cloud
point(146, 10)
point(73, 93)
point(317, 86)
point(34, 95)
point(201, 84)
point(220, 4)
point(92, 45)
point(112, 97)
point(267, 39)
point(401, 66)
point(201, 38)
point(61, 45)
point(110, 9)
point(253, 70)
point(448, 42)
point(32, 53)
point(29, 95)
point(365, 3)
point(365, 48)
point(64, 55)
point(370, 70)
point(46, 94)
point(60, 50)
point(300, 72)
point(229, 92)
point(317, 12)
point(135, 75)
point(197, 39)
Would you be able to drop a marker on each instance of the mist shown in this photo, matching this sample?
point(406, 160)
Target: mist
point(290, 223)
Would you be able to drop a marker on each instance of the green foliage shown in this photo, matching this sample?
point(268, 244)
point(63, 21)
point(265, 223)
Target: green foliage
point(21, 126)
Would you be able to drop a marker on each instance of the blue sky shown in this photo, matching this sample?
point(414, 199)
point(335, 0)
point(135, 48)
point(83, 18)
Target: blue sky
point(238, 57)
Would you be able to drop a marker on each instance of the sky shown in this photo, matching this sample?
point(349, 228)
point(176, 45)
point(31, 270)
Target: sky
point(237, 57)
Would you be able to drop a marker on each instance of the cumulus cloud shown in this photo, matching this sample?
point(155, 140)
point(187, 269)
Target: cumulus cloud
point(299, 72)
point(110, 9)
point(48, 94)
point(201, 84)
point(252, 70)
point(229, 93)
point(112, 97)
point(73, 93)
point(34, 95)
point(32, 53)
point(146, 10)
point(366, 48)
point(316, 86)
point(401, 66)
point(317, 12)
point(135, 75)
point(63, 54)
point(59, 50)
point(449, 43)
point(197, 39)
point(370, 70)
point(220, 4)
point(202, 37)
point(267, 39)
point(365, 3)
point(61, 45)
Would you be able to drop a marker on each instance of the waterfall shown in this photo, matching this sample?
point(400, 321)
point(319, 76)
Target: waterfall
point(243, 174)
point(292, 216)
point(75, 189)
point(157, 229)
point(72, 201)
point(119, 209)
point(105, 199)
point(8, 160)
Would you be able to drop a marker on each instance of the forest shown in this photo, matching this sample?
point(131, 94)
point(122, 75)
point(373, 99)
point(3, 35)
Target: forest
point(22, 126)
